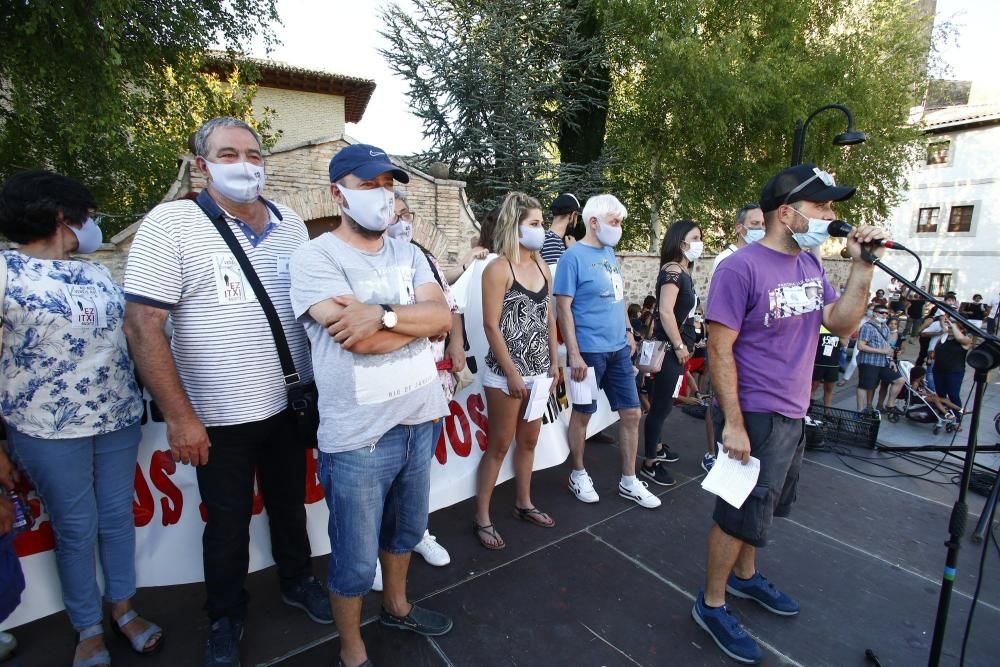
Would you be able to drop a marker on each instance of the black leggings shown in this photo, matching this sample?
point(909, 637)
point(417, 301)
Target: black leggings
point(661, 400)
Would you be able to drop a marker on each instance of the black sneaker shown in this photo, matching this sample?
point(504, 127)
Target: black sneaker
point(223, 646)
point(311, 597)
point(658, 475)
point(422, 621)
point(665, 455)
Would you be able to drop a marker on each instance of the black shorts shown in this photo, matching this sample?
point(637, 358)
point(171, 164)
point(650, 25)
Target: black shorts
point(869, 376)
point(779, 444)
point(826, 373)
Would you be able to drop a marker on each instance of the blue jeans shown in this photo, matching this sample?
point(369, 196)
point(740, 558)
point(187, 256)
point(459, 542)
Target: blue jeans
point(949, 385)
point(616, 376)
point(87, 486)
point(378, 500)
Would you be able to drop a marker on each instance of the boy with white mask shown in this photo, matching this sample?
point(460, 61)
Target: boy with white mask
point(590, 297)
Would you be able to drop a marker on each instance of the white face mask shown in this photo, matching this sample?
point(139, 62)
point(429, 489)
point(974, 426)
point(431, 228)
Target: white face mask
point(532, 238)
point(753, 235)
point(88, 237)
point(608, 235)
point(695, 248)
point(372, 209)
point(402, 231)
point(815, 236)
point(240, 181)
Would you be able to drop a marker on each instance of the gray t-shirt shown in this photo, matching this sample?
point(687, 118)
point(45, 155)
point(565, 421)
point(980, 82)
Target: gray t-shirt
point(362, 396)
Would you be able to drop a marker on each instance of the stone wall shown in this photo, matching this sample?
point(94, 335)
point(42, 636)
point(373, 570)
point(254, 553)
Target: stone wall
point(639, 273)
point(300, 115)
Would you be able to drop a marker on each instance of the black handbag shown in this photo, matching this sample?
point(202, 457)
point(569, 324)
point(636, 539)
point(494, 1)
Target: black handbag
point(303, 398)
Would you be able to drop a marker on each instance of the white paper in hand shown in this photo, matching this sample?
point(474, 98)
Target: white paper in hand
point(730, 479)
point(538, 399)
point(582, 393)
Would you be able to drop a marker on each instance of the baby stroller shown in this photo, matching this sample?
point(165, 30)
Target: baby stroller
point(916, 407)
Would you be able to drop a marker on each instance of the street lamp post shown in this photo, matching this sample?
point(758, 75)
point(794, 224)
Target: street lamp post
point(848, 138)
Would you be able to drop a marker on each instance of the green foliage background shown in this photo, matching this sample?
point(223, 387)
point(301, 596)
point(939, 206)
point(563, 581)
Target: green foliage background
point(108, 91)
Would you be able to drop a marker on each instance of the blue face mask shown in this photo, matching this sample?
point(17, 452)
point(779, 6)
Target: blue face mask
point(816, 235)
point(753, 235)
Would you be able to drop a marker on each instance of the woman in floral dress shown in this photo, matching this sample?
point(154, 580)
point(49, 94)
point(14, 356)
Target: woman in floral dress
point(70, 401)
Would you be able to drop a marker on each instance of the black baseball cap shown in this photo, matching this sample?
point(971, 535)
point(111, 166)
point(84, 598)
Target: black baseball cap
point(803, 182)
point(565, 203)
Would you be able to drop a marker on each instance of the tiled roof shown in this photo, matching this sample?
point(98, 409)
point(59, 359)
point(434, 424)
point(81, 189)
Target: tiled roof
point(275, 74)
point(958, 116)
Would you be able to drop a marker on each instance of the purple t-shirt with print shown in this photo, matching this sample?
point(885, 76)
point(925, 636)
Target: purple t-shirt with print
point(775, 301)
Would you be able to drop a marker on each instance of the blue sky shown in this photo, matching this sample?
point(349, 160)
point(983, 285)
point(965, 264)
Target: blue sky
point(342, 36)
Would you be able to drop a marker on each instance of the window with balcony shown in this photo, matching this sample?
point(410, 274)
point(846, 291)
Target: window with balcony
point(960, 219)
point(927, 220)
point(937, 151)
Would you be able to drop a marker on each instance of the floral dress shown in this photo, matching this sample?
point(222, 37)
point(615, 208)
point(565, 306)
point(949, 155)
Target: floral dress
point(65, 368)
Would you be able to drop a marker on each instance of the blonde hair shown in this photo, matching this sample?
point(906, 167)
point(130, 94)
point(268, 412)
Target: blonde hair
point(513, 211)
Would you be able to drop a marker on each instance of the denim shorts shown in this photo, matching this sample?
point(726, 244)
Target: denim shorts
point(779, 444)
point(378, 500)
point(616, 376)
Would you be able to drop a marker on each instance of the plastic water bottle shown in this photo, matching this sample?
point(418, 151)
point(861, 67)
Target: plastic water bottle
point(23, 519)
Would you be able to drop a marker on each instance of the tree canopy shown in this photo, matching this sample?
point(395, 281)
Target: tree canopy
point(108, 91)
point(495, 82)
point(700, 97)
point(706, 94)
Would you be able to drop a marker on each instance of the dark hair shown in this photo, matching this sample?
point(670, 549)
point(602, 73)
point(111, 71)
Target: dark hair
point(671, 251)
point(741, 216)
point(916, 373)
point(31, 200)
point(649, 301)
point(880, 290)
point(486, 227)
point(633, 311)
point(977, 296)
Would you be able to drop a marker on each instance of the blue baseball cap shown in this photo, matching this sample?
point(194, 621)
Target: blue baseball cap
point(364, 161)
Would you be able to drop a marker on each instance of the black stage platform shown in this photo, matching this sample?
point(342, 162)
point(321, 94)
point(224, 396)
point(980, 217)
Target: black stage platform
point(613, 583)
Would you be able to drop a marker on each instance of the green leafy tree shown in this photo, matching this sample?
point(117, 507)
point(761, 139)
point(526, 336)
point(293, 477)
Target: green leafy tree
point(108, 91)
point(705, 96)
point(495, 83)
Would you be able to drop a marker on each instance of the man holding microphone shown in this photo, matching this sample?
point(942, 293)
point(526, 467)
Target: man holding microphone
point(765, 309)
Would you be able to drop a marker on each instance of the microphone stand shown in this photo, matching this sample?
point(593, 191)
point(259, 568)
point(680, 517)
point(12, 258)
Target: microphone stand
point(984, 358)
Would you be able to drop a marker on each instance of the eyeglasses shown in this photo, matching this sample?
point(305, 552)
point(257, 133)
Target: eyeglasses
point(825, 177)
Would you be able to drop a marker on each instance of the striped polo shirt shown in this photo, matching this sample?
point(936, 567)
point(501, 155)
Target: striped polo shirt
point(222, 345)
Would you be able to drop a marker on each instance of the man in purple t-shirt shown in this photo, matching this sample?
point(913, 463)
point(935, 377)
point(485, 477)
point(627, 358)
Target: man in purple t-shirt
point(765, 308)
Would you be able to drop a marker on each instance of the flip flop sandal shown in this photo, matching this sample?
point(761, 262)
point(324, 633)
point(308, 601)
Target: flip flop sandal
point(100, 658)
point(489, 531)
point(534, 515)
point(139, 641)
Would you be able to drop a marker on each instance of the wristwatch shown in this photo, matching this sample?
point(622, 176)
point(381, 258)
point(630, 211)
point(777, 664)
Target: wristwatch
point(389, 317)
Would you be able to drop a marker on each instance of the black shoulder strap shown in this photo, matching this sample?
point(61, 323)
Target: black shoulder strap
point(284, 353)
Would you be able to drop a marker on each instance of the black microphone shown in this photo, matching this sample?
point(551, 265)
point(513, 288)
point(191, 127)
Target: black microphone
point(841, 229)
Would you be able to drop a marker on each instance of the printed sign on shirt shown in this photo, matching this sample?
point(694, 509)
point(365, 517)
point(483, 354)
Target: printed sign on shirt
point(792, 299)
point(88, 306)
point(230, 284)
point(283, 261)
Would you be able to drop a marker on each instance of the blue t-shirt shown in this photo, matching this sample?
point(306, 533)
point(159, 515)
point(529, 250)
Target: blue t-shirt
point(593, 278)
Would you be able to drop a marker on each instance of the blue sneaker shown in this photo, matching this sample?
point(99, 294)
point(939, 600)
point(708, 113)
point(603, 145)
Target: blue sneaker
point(763, 592)
point(726, 631)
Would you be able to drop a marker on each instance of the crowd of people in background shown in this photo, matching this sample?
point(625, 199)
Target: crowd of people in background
point(357, 347)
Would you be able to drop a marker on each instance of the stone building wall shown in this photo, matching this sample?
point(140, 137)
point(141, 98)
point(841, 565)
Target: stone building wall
point(639, 273)
point(300, 115)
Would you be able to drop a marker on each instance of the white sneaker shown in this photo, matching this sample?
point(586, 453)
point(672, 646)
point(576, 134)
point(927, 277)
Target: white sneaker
point(582, 487)
point(433, 553)
point(377, 584)
point(640, 494)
